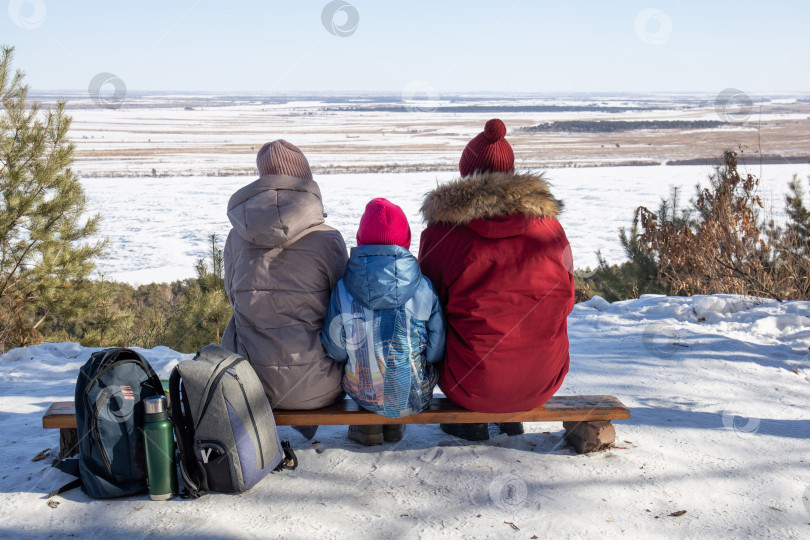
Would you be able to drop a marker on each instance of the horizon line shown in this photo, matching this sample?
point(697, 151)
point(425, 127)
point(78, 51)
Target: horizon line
point(447, 93)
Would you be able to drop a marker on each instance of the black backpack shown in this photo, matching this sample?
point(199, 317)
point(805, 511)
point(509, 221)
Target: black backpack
point(109, 398)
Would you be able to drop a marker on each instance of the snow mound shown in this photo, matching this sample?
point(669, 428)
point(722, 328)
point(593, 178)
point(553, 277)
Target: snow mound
point(597, 302)
point(708, 306)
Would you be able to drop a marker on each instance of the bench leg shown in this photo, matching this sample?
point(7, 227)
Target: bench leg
point(589, 436)
point(68, 442)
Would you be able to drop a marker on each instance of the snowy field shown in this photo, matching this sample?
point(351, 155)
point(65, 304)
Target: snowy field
point(718, 387)
point(158, 227)
point(218, 135)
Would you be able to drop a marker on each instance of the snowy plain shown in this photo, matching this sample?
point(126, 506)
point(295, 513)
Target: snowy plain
point(158, 227)
point(215, 135)
point(718, 387)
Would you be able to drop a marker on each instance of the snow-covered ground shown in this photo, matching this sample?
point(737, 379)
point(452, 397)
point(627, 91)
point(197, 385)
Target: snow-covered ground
point(217, 134)
point(158, 227)
point(718, 386)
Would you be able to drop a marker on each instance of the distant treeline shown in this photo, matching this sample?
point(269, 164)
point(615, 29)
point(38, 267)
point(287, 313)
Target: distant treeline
point(498, 109)
point(613, 126)
point(766, 159)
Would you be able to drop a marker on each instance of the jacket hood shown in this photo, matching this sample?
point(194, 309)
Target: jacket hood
point(490, 194)
point(382, 277)
point(275, 209)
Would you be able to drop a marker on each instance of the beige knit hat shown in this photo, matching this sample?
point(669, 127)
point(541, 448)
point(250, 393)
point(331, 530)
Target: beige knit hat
point(281, 157)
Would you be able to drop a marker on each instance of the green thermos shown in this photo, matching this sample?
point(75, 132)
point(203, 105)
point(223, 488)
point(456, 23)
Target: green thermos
point(161, 473)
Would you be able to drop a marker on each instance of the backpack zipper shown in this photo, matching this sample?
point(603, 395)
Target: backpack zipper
point(250, 412)
point(213, 387)
point(209, 384)
point(101, 451)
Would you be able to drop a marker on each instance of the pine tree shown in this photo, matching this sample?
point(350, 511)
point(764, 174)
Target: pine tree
point(203, 310)
point(798, 226)
point(44, 261)
point(110, 325)
point(722, 250)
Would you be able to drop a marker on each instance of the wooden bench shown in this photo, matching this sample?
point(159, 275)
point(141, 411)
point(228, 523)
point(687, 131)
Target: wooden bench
point(586, 419)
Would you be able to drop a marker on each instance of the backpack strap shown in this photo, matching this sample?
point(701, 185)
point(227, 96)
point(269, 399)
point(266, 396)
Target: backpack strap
point(67, 487)
point(290, 460)
point(68, 466)
point(194, 477)
point(213, 380)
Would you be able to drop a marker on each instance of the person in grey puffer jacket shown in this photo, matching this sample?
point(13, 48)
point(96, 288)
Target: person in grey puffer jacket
point(281, 263)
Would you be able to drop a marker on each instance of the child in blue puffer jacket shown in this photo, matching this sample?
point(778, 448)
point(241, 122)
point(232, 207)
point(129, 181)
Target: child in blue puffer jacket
point(384, 320)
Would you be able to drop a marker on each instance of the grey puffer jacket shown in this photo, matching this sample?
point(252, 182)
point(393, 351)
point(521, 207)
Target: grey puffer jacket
point(281, 263)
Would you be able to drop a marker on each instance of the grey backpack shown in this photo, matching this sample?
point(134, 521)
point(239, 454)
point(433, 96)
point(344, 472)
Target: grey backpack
point(224, 427)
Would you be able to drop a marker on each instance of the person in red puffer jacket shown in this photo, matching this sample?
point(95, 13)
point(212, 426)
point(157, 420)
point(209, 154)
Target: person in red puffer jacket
point(502, 267)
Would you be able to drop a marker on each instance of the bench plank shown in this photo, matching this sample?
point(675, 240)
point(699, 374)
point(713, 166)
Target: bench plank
point(61, 414)
point(442, 410)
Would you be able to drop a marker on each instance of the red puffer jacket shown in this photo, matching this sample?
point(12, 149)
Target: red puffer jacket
point(502, 267)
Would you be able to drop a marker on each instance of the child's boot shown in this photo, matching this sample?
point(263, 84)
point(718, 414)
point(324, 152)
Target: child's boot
point(468, 432)
point(393, 432)
point(511, 428)
point(367, 435)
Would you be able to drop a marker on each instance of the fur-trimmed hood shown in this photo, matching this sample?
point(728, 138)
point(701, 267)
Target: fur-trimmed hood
point(490, 194)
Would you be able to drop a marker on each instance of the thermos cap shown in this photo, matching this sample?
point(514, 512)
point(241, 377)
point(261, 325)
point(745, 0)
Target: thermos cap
point(154, 405)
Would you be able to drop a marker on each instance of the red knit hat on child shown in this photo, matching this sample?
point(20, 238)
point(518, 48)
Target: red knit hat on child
point(384, 223)
point(488, 151)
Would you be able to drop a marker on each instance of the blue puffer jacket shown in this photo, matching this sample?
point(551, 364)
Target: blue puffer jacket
point(385, 321)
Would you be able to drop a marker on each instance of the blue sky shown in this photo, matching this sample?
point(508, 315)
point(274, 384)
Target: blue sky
point(454, 46)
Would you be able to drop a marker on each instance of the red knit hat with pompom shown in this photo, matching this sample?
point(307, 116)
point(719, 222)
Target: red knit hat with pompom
point(488, 151)
point(384, 223)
